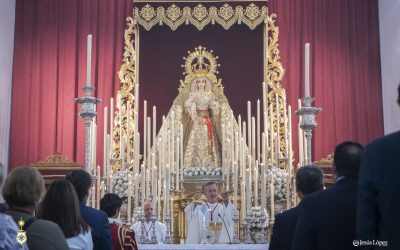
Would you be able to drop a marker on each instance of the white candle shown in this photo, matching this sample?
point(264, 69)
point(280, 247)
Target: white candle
point(89, 60)
point(136, 190)
point(249, 176)
point(154, 184)
point(174, 168)
point(177, 164)
point(263, 149)
point(111, 184)
point(111, 127)
point(300, 136)
point(255, 178)
point(278, 139)
point(253, 138)
point(249, 126)
point(307, 70)
point(144, 132)
point(181, 149)
point(271, 137)
point(263, 187)
point(148, 140)
point(248, 183)
point(290, 139)
point(129, 197)
point(128, 133)
point(264, 107)
point(142, 185)
point(105, 142)
point(154, 127)
point(272, 196)
point(258, 131)
point(121, 144)
point(98, 187)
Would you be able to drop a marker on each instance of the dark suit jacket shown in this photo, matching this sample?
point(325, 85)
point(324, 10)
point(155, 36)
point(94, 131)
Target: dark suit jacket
point(328, 218)
point(98, 222)
point(379, 192)
point(283, 229)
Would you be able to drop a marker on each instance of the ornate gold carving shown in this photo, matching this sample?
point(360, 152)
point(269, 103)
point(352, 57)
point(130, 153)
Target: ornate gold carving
point(274, 76)
point(56, 160)
point(128, 78)
point(200, 16)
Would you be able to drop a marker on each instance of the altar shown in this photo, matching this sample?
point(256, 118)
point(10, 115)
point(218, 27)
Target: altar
point(166, 153)
point(205, 246)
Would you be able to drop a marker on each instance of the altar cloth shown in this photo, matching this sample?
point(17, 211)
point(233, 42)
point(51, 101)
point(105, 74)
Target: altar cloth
point(204, 246)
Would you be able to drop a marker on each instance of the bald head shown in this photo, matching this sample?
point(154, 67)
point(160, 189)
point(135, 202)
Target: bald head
point(148, 210)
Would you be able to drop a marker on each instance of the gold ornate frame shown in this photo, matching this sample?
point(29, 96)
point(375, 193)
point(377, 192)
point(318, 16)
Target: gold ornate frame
point(148, 17)
point(199, 16)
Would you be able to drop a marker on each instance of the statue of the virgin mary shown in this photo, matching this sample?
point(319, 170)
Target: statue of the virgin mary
point(203, 110)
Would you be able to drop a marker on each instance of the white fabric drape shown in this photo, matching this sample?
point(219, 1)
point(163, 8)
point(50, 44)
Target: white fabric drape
point(7, 23)
point(389, 32)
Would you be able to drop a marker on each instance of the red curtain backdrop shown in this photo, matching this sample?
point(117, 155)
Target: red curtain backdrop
point(344, 66)
point(50, 69)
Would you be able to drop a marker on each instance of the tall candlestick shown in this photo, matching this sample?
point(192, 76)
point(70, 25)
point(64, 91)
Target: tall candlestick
point(105, 152)
point(249, 176)
point(263, 149)
point(253, 138)
point(272, 196)
point(98, 187)
point(278, 137)
point(307, 71)
point(129, 197)
point(258, 131)
point(290, 139)
point(181, 149)
point(142, 185)
point(255, 178)
point(265, 106)
point(89, 60)
point(249, 125)
point(177, 164)
point(144, 132)
point(154, 127)
point(263, 187)
point(148, 140)
point(111, 129)
point(121, 140)
point(300, 136)
point(128, 133)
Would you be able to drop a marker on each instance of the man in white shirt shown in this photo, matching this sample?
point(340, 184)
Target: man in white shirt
point(146, 228)
point(211, 211)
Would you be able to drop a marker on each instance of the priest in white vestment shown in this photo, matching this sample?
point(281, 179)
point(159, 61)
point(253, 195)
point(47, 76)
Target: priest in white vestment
point(147, 227)
point(213, 211)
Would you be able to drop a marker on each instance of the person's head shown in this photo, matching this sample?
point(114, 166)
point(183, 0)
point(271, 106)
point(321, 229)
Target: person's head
point(398, 94)
point(1, 174)
point(61, 205)
point(111, 203)
point(211, 192)
point(148, 209)
point(82, 182)
point(23, 188)
point(309, 179)
point(201, 82)
point(347, 158)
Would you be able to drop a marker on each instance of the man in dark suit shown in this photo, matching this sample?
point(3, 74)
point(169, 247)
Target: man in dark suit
point(96, 219)
point(309, 179)
point(328, 218)
point(378, 213)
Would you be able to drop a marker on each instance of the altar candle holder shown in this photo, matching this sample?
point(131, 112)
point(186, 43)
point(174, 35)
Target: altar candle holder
point(87, 112)
point(262, 239)
point(153, 236)
point(247, 239)
point(308, 122)
point(236, 239)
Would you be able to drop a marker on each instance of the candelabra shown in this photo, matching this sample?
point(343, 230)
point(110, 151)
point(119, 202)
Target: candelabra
point(236, 239)
point(168, 233)
point(262, 239)
point(153, 236)
point(247, 220)
point(142, 238)
point(308, 122)
point(87, 112)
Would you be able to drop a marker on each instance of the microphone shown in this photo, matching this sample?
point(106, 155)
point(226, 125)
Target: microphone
point(230, 241)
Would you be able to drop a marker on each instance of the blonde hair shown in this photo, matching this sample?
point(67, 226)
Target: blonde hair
point(23, 187)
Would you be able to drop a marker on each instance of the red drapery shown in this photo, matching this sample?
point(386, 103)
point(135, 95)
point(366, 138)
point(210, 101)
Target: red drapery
point(50, 69)
point(344, 66)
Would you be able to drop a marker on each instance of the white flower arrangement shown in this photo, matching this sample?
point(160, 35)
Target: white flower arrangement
point(120, 184)
point(255, 216)
point(280, 180)
point(203, 171)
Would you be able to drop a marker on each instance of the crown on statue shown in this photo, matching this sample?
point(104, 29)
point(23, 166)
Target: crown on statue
point(200, 62)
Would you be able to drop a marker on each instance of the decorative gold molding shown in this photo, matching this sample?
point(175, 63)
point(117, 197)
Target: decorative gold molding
point(200, 16)
point(128, 77)
point(56, 160)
